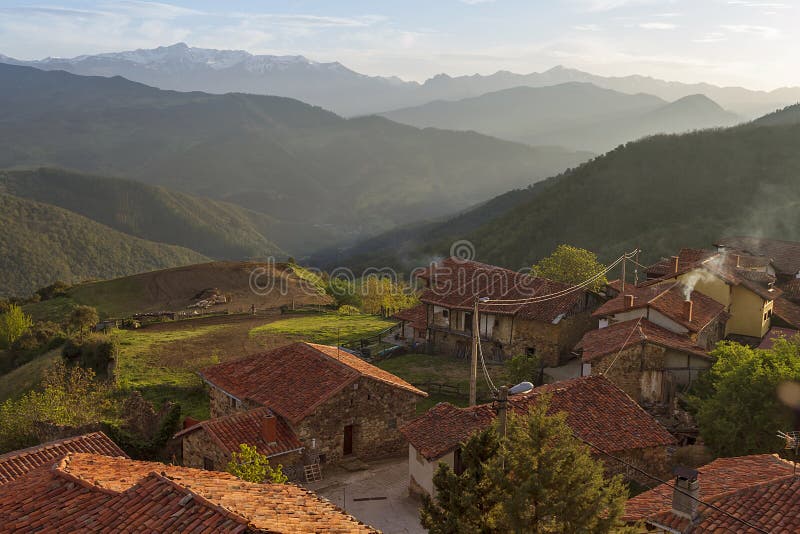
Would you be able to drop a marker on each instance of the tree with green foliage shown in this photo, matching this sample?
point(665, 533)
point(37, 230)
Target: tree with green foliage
point(382, 295)
point(13, 324)
point(571, 265)
point(523, 367)
point(82, 319)
point(252, 466)
point(537, 479)
point(736, 402)
point(69, 396)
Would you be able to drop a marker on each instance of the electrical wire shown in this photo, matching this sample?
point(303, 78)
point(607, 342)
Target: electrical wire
point(623, 345)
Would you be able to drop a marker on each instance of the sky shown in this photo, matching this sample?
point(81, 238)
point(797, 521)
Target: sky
point(751, 43)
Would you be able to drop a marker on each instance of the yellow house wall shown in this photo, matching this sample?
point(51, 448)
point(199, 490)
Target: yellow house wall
point(748, 312)
point(713, 287)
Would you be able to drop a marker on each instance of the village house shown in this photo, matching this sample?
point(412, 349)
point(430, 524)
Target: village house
point(653, 339)
point(80, 492)
point(330, 402)
point(548, 329)
point(209, 444)
point(743, 284)
point(413, 326)
point(597, 411)
point(15, 464)
point(727, 495)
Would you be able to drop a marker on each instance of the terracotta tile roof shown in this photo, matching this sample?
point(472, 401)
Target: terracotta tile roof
point(597, 411)
point(455, 283)
point(417, 316)
point(667, 298)
point(785, 255)
point(293, 380)
point(787, 311)
point(85, 492)
point(721, 476)
point(245, 427)
point(16, 463)
point(791, 289)
point(687, 259)
point(618, 336)
point(776, 332)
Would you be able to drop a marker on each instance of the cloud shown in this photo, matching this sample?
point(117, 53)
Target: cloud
point(765, 32)
point(476, 2)
point(607, 5)
point(657, 26)
point(713, 37)
point(587, 27)
point(769, 5)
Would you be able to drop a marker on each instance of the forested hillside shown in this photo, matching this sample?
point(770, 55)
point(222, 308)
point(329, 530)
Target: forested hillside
point(292, 161)
point(40, 243)
point(660, 194)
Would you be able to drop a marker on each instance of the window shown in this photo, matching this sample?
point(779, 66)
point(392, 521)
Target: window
point(208, 464)
point(392, 423)
point(420, 459)
point(530, 351)
point(445, 313)
point(234, 402)
point(323, 458)
point(458, 465)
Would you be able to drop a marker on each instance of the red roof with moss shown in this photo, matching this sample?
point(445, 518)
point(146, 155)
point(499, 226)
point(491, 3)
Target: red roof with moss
point(597, 411)
point(293, 380)
point(619, 336)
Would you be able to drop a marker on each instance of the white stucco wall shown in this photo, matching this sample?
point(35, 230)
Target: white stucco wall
point(421, 470)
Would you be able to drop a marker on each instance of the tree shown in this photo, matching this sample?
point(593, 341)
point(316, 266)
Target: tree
point(383, 295)
point(736, 403)
point(523, 367)
point(538, 479)
point(83, 318)
point(69, 396)
point(13, 324)
point(251, 466)
point(571, 265)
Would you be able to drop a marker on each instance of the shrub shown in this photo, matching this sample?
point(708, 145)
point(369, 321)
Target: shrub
point(348, 310)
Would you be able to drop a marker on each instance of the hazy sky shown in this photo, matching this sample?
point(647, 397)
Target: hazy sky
point(740, 42)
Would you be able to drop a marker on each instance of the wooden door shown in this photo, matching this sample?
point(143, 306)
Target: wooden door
point(348, 440)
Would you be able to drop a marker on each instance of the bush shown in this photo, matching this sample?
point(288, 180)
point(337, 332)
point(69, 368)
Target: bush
point(13, 324)
point(97, 352)
point(348, 310)
point(56, 289)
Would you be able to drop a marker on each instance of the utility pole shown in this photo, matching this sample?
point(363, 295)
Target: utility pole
point(502, 409)
point(624, 257)
point(473, 370)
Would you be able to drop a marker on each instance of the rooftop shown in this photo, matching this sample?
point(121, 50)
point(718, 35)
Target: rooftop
point(454, 283)
point(776, 332)
point(16, 463)
point(416, 316)
point(245, 427)
point(293, 380)
point(87, 492)
point(597, 411)
point(619, 336)
point(785, 255)
point(667, 298)
point(788, 312)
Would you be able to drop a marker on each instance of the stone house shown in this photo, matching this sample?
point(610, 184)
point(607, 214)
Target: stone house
point(743, 284)
point(597, 411)
point(336, 404)
point(548, 329)
point(653, 339)
point(209, 444)
point(758, 490)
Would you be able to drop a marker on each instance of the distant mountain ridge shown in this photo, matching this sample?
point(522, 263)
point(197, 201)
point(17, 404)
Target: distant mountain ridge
point(659, 194)
point(301, 165)
point(335, 87)
point(575, 115)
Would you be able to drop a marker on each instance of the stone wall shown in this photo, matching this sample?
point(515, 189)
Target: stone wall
point(655, 461)
point(374, 409)
point(222, 404)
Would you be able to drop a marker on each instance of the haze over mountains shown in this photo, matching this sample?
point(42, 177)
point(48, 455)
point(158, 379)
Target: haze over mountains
point(660, 194)
point(575, 115)
point(339, 89)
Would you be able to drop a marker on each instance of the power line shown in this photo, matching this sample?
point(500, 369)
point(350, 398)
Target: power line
point(681, 490)
point(623, 345)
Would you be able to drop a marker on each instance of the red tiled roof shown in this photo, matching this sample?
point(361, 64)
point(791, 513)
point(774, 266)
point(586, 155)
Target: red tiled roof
point(791, 289)
point(785, 255)
point(777, 332)
point(86, 492)
point(787, 311)
point(245, 427)
point(455, 283)
point(293, 380)
point(618, 336)
point(667, 298)
point(719, 477)
point(597, 411)
point(16, 463)
point(687, 259)
point(417, 316)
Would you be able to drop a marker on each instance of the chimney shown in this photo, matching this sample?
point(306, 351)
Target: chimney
point(738, 261)
point(269, 430)
point(685, 493)
point(675, 261)
point(629, 301)
point(687, 309)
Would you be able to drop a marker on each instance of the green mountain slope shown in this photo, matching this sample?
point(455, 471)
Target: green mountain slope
point(295, 162)
point(660, 194)
point(40, 243)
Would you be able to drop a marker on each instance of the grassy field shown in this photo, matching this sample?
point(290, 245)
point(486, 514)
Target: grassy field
point(421, 369)
point(26, 377)
point(327, 328)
